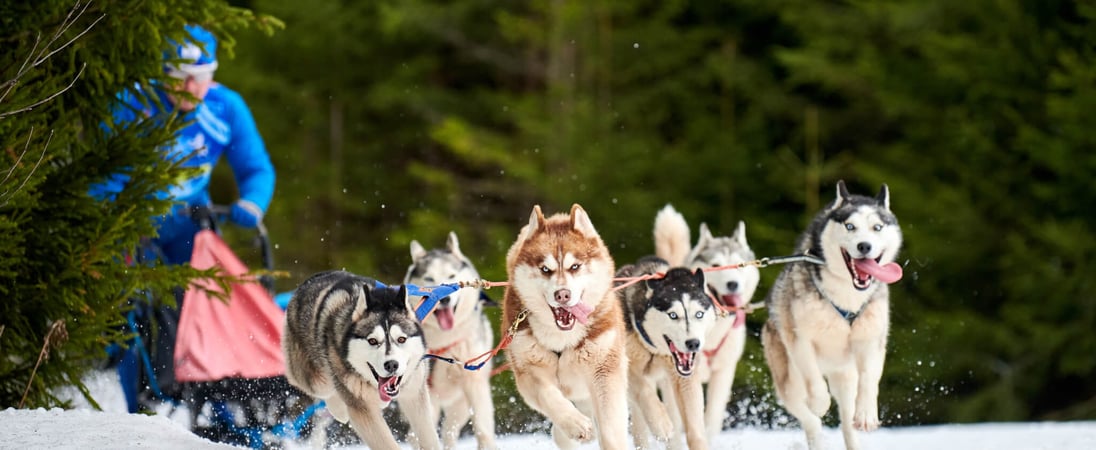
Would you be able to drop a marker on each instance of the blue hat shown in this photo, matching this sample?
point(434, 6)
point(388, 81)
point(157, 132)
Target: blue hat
point(198, 54)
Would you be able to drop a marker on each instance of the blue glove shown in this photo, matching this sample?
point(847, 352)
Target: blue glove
point(246, 214)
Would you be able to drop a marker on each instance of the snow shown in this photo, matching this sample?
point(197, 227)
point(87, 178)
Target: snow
point(83, 428)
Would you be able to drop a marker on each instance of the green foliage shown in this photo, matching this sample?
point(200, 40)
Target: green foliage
point(395, 120)
point(61, 259)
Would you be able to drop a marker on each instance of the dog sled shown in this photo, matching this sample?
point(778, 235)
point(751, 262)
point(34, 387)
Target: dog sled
point(220, 358)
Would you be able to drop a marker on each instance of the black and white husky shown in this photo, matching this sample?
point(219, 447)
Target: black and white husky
point(731, 289)
point(829, 322)
point(457, 328)
point(358, 346)
point(667, 320)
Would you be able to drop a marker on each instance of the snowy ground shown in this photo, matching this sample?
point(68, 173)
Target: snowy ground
point(85, 429)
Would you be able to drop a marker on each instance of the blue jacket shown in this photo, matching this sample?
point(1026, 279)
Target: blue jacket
point(221, 125)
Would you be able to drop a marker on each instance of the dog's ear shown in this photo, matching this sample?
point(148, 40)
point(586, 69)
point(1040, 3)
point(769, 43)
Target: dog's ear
point(705, 235)
point(360, 297)
point(580, 221)
point(698, 277)
point(842, 196)
point(536, 219)
point(402, 293)
point(453, 244)
point(884, 197)
point(417, 251)
point(740, 234)
point(653, 284)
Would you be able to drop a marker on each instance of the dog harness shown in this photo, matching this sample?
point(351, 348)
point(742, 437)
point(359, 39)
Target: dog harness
point(848, 315)
point(642, 332)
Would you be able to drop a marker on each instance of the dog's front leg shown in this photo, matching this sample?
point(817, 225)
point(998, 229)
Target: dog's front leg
point(536, 374)
point(690, 403)
point(609, 390)
point(719, 393)
point(371, 427)
point(417, 408)
point(869, 345)
point(645, 398)
point(804, 359)
point(477, 388)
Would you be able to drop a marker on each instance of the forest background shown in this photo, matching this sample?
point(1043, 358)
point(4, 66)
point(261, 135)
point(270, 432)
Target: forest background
point(397, 120)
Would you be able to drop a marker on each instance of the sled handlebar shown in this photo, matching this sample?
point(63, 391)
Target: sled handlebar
point(207, 218)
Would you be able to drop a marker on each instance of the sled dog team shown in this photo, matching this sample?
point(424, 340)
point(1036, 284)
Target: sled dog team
point(621, 363)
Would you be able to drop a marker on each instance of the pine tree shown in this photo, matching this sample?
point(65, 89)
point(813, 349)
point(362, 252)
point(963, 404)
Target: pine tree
point(63, 275)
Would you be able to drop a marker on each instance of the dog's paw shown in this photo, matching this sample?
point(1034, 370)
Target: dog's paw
point(577, 427)
point(866, 419)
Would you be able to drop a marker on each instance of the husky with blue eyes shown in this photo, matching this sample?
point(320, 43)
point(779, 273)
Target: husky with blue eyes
point(667, 319)
point(828, 323)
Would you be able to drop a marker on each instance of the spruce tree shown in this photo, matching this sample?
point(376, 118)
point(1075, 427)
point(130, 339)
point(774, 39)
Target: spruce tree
point(64, 276)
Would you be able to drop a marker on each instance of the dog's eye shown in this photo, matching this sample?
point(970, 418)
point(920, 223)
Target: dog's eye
point(673, 316)
point(428, 279)
point(850, 227)
point(545, 270)
point(700, 314)
point(373, 341)
point(575, 267)
point(878, 227)
point(401, 339)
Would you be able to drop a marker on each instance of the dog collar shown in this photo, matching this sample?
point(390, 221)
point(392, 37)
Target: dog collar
point(848, 315)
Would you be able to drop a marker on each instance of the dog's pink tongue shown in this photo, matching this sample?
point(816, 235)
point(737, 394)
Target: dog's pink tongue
point(887, 273)
point(580, 311)
point(445, 318)
point(735, 300)
point(382, 389)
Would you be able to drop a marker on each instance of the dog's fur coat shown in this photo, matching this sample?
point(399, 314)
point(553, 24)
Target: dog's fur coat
point(730, 288)
point(357, 346)
point(668, 319)
point(568, 354)
point(829, 322)
point(456, 328)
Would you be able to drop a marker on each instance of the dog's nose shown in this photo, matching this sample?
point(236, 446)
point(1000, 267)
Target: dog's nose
point(391, 366)
point(732, 286)
point(692, 345)
point(864, 248)
point(445, 301)
point(563, 296)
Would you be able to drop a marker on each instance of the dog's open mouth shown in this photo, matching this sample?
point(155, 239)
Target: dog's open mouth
point(389, 387)
point(567, 315)
point(730, 304)
point(864, 270)
point(683, 361)
point(444, 315)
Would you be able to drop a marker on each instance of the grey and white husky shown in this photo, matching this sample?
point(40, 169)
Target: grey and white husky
point(829, 322)
point(358, 346)
point(457, 328)
point(667, 320)
point(731, 289)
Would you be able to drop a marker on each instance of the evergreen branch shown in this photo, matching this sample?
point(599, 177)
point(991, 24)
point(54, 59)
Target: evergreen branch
point(42, 56)
point(32, 170)
point(55, 337)
point(51, 97)
point(10, 84)
point(64, 27)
